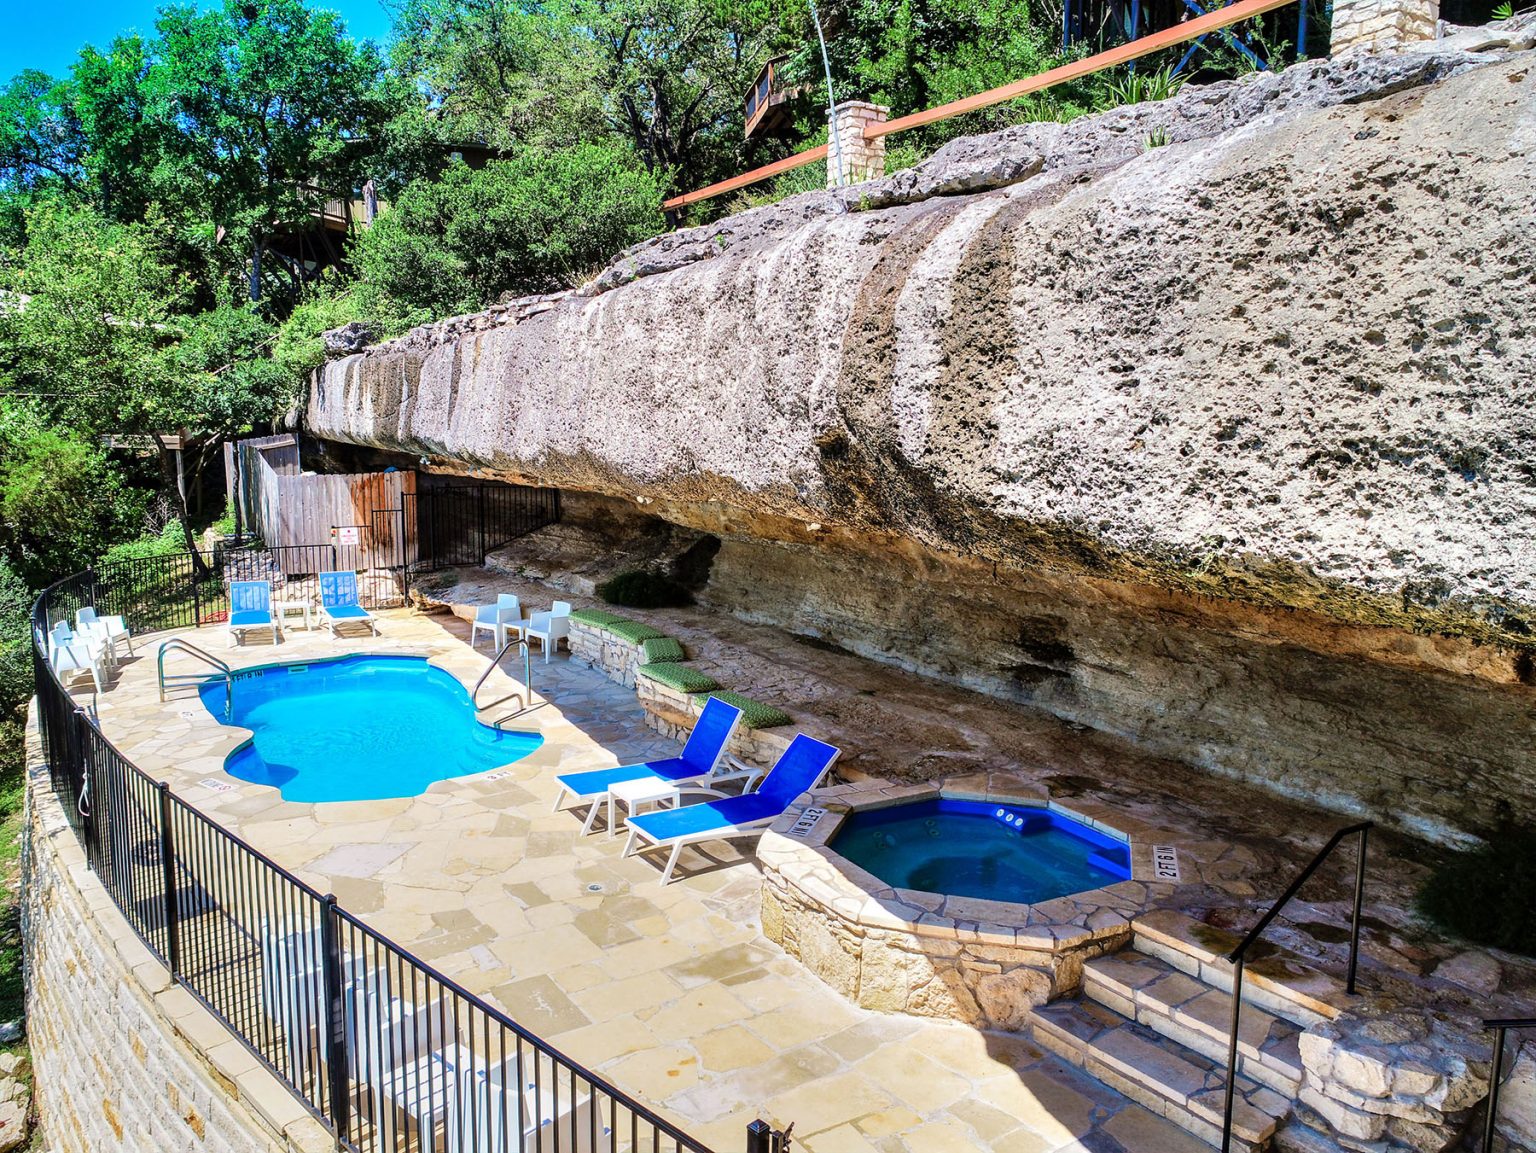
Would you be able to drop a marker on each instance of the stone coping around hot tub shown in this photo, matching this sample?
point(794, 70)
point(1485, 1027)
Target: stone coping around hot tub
point(808, 863)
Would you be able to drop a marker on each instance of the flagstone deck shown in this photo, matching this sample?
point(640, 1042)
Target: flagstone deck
point(673, 993)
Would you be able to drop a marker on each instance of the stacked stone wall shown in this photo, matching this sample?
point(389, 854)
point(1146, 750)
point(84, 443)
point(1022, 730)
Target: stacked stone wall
point(668, 711)
point(125, 1060)
point(1381, 24)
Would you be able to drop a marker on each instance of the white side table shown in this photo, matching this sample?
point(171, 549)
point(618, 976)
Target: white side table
point(286, 607)
point(632, 795)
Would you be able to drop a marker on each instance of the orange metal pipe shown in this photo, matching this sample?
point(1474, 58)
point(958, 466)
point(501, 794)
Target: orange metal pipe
point(798, 160)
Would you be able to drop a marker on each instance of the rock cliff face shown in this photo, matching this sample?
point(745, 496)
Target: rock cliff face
point(1210, 435)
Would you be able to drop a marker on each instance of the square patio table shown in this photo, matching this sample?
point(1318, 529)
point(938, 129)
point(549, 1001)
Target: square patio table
point(653, 791)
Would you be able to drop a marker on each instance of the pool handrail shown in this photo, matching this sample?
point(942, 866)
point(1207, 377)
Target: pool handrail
point(524, 698)
point(1500, 1026)
point(178, 645)
point(1238, 956)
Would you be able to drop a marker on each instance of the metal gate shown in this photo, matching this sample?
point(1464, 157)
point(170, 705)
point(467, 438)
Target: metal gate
point(445, 525)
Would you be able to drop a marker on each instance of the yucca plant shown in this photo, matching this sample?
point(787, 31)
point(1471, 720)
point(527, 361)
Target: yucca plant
point(1141, 87)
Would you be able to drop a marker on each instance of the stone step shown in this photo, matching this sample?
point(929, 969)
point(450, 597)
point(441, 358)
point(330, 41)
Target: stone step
point(1175, 1005)
point(1165, 1077)
point(1275, 979)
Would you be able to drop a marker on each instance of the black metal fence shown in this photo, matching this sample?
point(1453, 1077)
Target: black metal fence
point(394, 1056)
point(186, 590)
point(460, 524)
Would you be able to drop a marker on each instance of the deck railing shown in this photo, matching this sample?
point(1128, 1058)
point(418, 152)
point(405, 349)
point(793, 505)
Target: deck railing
point(391, 1054)
point(1193, 29)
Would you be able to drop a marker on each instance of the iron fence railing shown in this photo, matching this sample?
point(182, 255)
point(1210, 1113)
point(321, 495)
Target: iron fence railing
point(391, 1054)
point(186, 590)
point(459, 524)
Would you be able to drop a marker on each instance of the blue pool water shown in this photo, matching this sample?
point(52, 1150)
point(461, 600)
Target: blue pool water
point(358, 729)
point(969, 849)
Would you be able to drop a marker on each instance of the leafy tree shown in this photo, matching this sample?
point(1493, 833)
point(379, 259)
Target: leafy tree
point(15, 643)
point(41, 142)
point(264, 109)
point(499, 72)
point(666, 77)
point(86, 351)
point(108, 97)
point(62, 503)
point(100, 347)
point(539, 220)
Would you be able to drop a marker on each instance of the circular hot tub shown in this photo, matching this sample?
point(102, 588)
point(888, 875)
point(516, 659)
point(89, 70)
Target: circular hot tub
point(940, 902)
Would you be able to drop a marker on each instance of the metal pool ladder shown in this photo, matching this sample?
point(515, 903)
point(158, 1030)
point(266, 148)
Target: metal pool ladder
point(176, 680)
point(525, 698)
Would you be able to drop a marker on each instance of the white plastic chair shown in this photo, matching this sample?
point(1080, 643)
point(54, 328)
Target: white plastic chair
point(506, 615)
point(293, 992)
point(488, 1112)
point(550, 628)
point(115, 628)
point(70, 654)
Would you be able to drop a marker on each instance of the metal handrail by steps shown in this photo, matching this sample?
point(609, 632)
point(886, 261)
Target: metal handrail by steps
point(177, 679)
point(524, 698)
point(1500, 1026)
point(1238, 955)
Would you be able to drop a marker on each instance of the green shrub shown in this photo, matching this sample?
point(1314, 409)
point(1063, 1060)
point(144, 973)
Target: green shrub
point(1488, 895)
point(644, 589)
point(533, 220)
point(680, 677)
point(661, 649)
point(167, 542)
point(633, 631)
point(754, 714)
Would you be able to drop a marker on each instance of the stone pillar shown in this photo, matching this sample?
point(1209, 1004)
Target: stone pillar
point(860, 159)
point(1373, 25)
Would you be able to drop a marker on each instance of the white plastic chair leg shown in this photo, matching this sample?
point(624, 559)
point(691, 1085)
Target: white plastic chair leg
point(586, 826)
point(666, 875)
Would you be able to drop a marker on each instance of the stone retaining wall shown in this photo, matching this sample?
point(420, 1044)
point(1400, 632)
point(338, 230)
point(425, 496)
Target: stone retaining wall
point(668, 711)
point(124, 1059)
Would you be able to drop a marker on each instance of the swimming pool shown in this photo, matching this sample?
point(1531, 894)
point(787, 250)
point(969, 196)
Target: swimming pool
point(972, 849)
point(358, 729)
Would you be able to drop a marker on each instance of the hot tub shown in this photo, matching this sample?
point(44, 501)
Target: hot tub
point(974, 849)
point(946, 902)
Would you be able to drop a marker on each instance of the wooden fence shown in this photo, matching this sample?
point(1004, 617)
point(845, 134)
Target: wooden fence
point(287, 507)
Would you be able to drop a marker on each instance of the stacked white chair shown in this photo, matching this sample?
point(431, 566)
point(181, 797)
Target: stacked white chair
point(549, 628)
point(505, 616)
point(72, 655)
point(113, 628)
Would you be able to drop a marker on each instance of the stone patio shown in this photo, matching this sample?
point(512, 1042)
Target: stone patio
point(673, 993)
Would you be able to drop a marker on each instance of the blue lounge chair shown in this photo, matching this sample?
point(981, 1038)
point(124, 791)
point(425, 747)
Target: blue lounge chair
point(338, 602)
point(799, 769)
point(250, 607)
point(700, 761)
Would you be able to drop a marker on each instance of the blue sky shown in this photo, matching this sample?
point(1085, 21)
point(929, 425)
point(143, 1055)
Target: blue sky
point(40, 34)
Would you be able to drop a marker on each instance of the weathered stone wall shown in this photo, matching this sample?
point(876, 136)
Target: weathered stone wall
point(124, 1059)
point(1427, 733)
